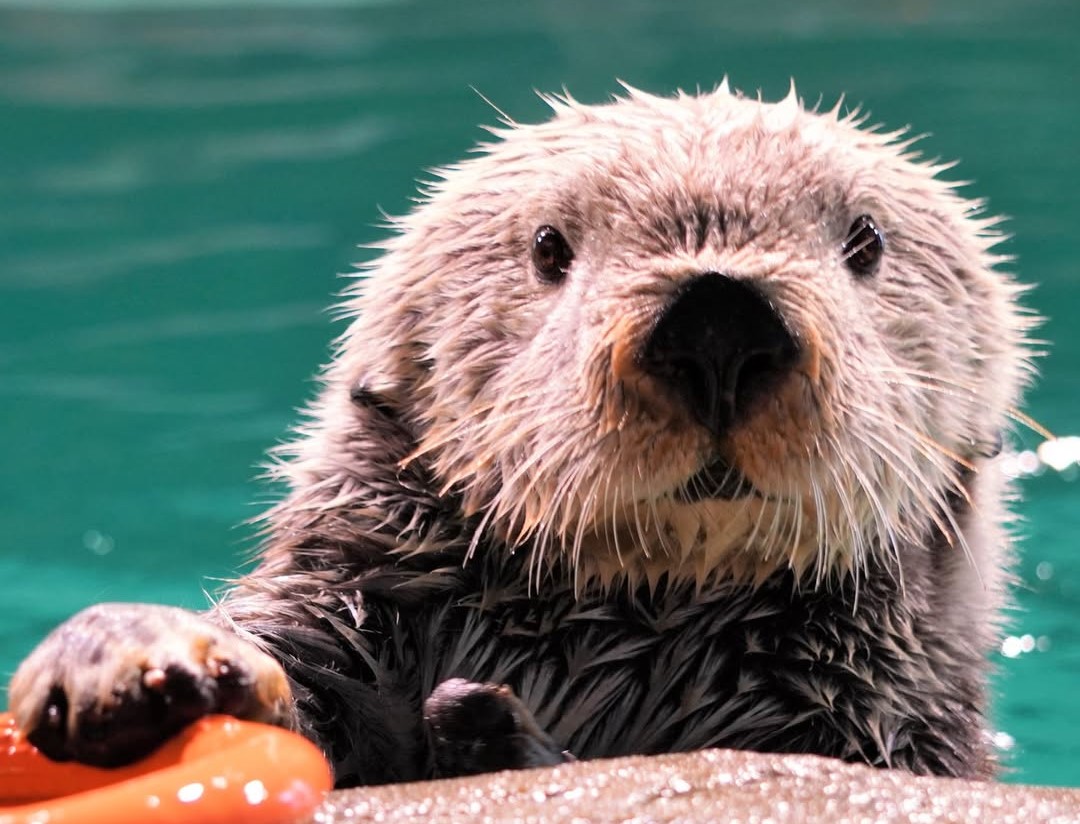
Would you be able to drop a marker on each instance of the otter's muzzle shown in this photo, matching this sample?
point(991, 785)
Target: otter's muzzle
point(720, 347)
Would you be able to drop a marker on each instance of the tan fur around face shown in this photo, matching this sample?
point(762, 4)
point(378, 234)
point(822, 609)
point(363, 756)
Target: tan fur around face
point(527, 399)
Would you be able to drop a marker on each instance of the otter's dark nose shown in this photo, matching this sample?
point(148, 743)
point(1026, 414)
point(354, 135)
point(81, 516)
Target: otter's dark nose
point(720, 345)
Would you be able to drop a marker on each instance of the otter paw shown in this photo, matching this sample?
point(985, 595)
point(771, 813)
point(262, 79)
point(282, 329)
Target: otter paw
point(113, 682)
point(476, 728)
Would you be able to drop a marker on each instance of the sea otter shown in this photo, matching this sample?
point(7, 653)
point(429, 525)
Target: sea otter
point(665, 424)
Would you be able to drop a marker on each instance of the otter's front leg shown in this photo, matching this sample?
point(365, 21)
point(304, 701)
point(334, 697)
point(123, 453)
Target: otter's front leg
point(113, 682)
point(476, 728)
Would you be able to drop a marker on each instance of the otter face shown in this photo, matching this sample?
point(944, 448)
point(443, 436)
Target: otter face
point(702, 335)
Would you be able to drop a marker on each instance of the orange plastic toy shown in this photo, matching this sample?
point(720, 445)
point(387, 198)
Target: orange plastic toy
point(217, 770)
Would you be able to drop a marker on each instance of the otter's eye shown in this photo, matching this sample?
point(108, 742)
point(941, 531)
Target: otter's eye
point(864, 246)
point(551, 255)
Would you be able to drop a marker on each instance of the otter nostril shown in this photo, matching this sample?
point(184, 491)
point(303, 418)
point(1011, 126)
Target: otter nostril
point(757, 370)
point(719, 346)
point(699, 384)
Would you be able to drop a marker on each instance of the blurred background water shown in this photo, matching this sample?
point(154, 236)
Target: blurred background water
point(180, 184)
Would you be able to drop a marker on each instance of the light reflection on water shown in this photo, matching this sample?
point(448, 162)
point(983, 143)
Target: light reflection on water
point(179, 189)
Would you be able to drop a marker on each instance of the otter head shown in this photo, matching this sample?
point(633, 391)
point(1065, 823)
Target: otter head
point(698, 336)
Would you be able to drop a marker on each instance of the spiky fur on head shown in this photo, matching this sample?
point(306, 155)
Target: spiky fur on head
point(525, 400)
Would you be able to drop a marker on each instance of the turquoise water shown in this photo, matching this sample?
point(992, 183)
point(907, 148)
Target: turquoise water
point(178, 188)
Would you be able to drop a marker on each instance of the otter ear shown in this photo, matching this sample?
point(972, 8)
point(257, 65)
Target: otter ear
point(386, 351)
point(380, 363)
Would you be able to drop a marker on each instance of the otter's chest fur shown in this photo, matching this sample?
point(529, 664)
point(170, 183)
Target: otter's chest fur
point(776, 667)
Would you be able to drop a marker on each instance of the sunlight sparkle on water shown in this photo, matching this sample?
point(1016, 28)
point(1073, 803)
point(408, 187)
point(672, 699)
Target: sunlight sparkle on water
point(1016, 645)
